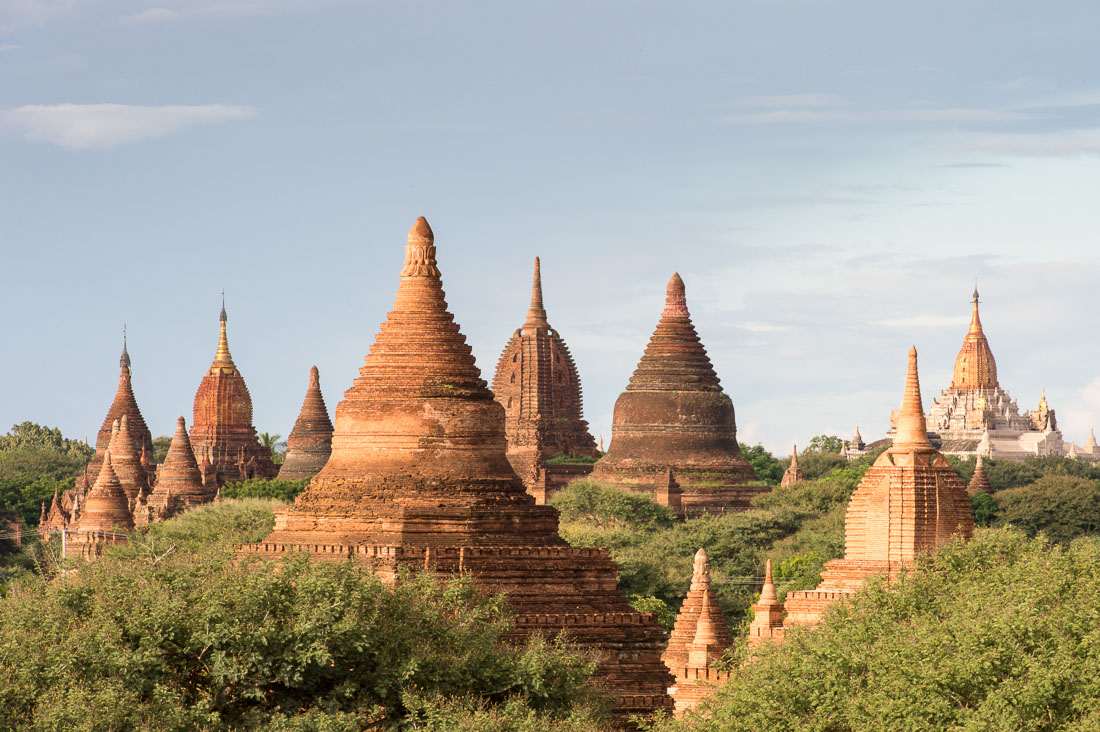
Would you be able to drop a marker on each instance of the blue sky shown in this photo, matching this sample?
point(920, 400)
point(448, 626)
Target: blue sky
point(828, 178)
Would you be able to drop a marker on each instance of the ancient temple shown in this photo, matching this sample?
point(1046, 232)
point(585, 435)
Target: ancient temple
point(767, 618)
point(310, 442)
point(793, 474)
point(536, 382)
point(179, 482)
point(674, 414)
point(104, 516)
point(126, 462)
point(974, 415)
point(698, 640)
point(54, 519)
point(221, 428)
point(124, 405)
point(979, 482)
point(908, 503)
point(419, 478)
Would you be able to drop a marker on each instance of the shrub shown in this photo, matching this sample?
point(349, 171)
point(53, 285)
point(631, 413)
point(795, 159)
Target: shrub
point(281, 490)
point(1062, 506)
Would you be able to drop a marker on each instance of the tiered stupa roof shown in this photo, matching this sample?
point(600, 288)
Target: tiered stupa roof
point(310, 442)
point(221, 428)
point(908, 503)
point(698, 640)
point(179, 482)
point(104, 515)
point(126, 461)
point(675, 414)
point(418, 477)
point(767, 619)
point(124, 405)
point(537, 383)
point(975, 367)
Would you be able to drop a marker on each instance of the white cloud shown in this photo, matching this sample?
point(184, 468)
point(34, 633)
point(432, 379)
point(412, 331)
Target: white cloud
point(4, 47)
point(811, 114)
point(153, 15)
point(83, 126)
point(918, 321)
point(1066, 144)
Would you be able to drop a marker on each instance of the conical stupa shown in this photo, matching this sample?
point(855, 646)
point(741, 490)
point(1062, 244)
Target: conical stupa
point(126, 461)
point(536, 382)
point(124, 405)
point(674, 414)
point(104, 515)
point(310, 442)
point(418, 477)
point(979, 482)
point(179, 482)
point(698, 639)
point(793, 474)
point(221, 428)
point(908, 503)
point(767, 618)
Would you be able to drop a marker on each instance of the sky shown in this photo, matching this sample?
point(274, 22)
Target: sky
point(829, 179)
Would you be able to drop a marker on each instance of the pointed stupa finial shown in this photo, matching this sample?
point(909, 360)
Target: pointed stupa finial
point(536, 314)
point(912, 430)
point(794, 456)
point(124, 360)
point(314, 376)
point(223, 359)
point(767, 592)
point(975, 321)
point(700, 571)
point(1091, 443)
point(420, 251)
point(675, 299)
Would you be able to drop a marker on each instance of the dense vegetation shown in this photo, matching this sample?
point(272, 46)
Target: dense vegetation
point(999, 633)
point(34, 462)
point(281, 490)
point(173, 632)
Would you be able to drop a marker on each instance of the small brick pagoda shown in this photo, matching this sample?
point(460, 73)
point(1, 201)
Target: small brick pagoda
point(793, 474)
point(419, 477)
point(767, 618)
point(124, 405)
point(537, 384)
point(909, 502)
point(221, 428)
point(698, 640)
point(104, 515)
point(310, 442)
point(979, 482)
point(179, 482)
point(674, 414)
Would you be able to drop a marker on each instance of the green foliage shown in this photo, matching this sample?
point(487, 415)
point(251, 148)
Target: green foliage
point(34, 437)
point(825, 443)
point(1062, 506)
point(1004, 474)
point(819, 464)
point(768, 468)
point(281, 490)
point(160, 448)
point(473, 714)
point(610, 508)
point(985, 508)
point(276, 444)
point(34, 462)
point(572, 460)
point(147, 638)
point(666, 616)
point(999, 633)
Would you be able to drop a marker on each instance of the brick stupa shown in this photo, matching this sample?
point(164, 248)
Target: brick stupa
point(418, 477)
point(909, 503)
point(979, 482)
point(767, 618)
point(310, 442)
point(793, 474)
point(698, 640)
point(221, 428)
point(104, 515)
point(674, 414)
point(536, 382)
point(179, 482)
point(126, 461)
point(124, 405)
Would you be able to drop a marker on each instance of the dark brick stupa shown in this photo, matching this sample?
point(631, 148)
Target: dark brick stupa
point(310, 442)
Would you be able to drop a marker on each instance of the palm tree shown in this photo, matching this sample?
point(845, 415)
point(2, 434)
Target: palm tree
point(274, 443)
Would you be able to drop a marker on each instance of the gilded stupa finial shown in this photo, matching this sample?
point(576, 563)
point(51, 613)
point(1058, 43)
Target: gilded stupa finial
point(223, 359)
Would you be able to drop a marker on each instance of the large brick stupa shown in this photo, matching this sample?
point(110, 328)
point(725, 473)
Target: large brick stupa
point(537, 383)
point(419, 477)
point(124, 405)
point(674, 415)
point(310, 442)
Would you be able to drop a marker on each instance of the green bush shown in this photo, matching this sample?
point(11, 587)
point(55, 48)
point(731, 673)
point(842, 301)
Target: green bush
point(999, 633)
point(1062, 506)
point(281, 490)
point(768, 468)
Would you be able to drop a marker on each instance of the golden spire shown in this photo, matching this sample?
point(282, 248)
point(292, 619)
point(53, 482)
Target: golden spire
point(536, 314)
point(975, 321)
point(223, 359)
point(975, 367)
point(912, 431)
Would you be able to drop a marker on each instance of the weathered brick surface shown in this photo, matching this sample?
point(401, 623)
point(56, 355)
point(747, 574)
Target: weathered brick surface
point(674, 414)
point(419, 477)
point(979, 482)
point(537, 384)
point(221, 428)
point(126, 461)
point(310, 442)
point(124, 405)
point(179, 483)
point(104, 515)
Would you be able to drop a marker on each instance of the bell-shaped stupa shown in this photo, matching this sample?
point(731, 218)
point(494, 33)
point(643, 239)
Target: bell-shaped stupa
point(104, 515)
point(674, 414)
point(310, 442)
point(908, 503)
point(419, 478)
point(536, 382)
point(179, 482)
point(221, 428)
